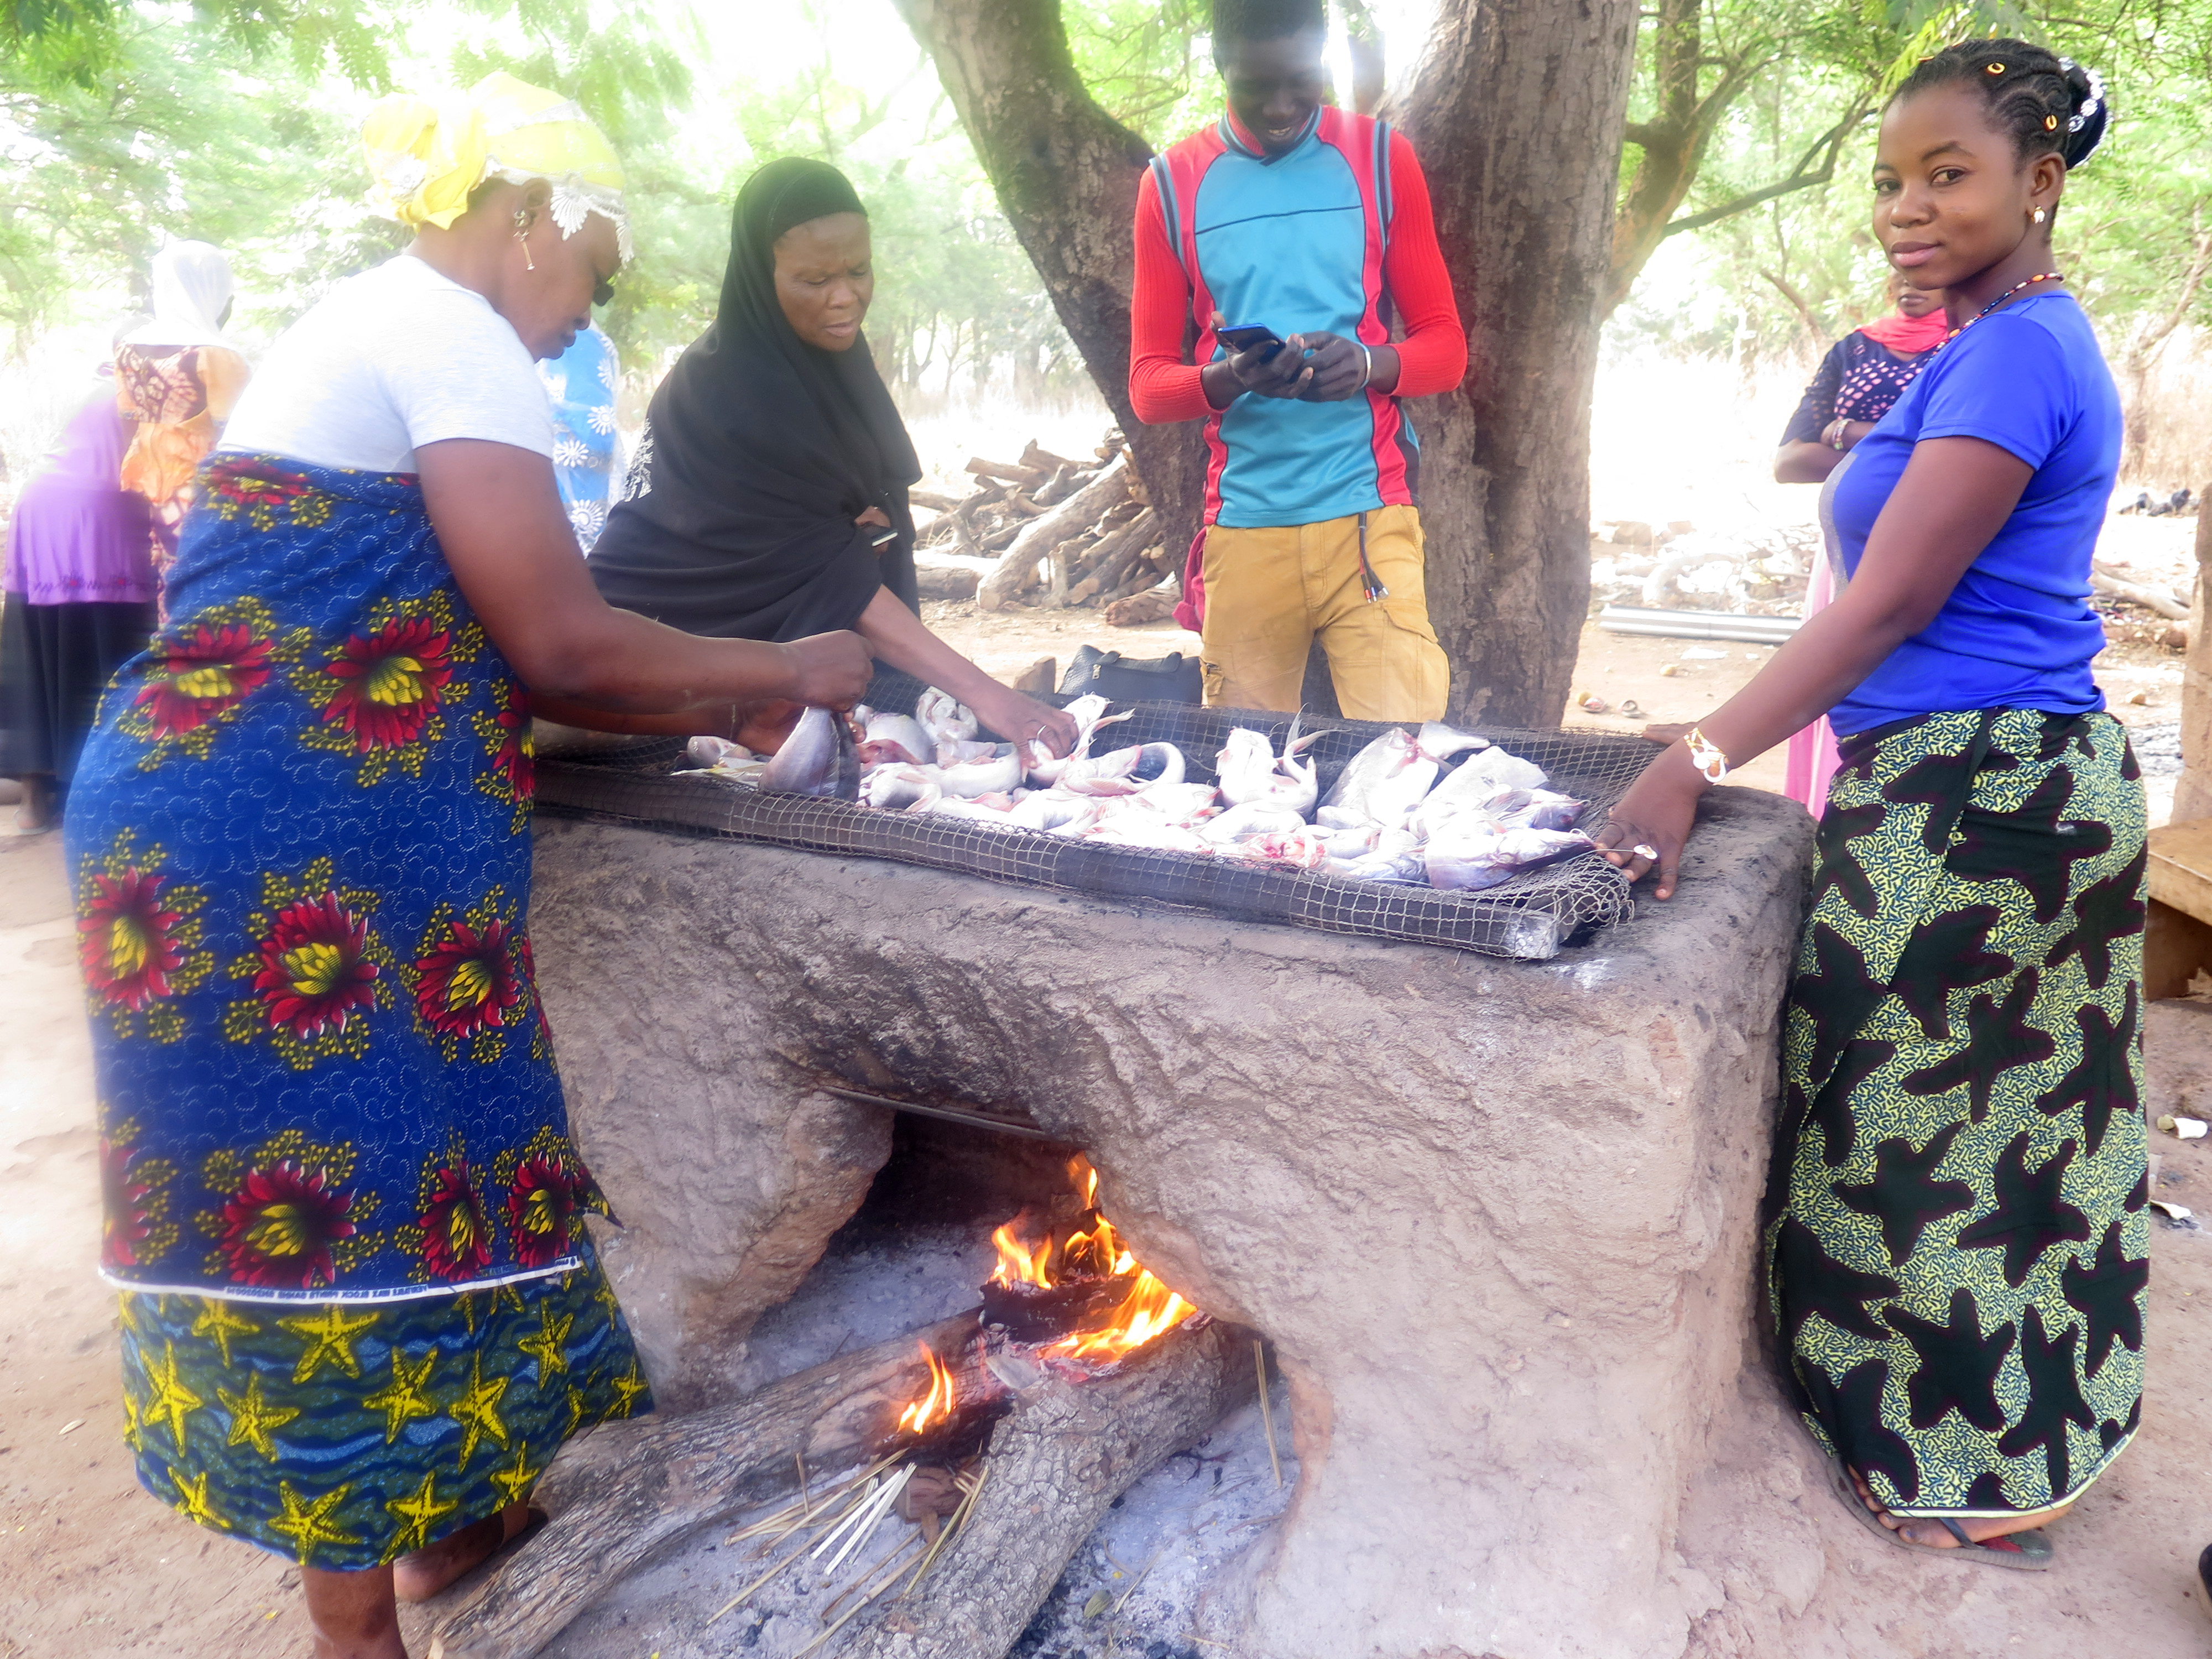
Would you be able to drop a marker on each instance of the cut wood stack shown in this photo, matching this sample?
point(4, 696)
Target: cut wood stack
point(1063, 532)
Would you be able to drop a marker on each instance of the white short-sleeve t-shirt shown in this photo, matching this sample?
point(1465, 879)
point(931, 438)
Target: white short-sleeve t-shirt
point(386, 362)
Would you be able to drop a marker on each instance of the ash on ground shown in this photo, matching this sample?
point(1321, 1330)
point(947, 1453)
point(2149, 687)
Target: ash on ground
point(1131, 1592)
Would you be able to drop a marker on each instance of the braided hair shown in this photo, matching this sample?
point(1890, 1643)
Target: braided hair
point(2049, 105)
point(1265, 20)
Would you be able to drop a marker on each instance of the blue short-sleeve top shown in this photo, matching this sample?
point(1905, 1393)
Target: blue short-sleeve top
point(2017, 632)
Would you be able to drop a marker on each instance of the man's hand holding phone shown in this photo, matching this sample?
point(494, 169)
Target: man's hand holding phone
point(1257, 362)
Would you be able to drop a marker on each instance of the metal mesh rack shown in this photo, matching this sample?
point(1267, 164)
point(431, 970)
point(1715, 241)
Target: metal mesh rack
point(1530, 915)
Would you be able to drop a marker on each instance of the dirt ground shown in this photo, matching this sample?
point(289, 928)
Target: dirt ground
point(89, 1567)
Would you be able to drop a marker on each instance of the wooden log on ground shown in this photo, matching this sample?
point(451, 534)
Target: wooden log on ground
point(933, 500)
point(1040, 677)
point(1013, 473)
point(1041, 535)
point(1056, 1463)
point(945, 581)
point(1036, 455)
point(2158, 599)
point(1150, 570)
point(1115, 555)
point(1154, 604)
point(633, 1489)
point(1060, 486)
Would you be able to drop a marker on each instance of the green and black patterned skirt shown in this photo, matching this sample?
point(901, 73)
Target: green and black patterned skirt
point(1957, 1259)
point(345, 1435)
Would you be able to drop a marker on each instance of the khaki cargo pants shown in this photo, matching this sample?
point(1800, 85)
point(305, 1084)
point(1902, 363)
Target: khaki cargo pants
point(1269, 591)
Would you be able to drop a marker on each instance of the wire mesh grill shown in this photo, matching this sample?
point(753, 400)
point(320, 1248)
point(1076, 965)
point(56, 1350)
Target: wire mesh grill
point(1531, 914)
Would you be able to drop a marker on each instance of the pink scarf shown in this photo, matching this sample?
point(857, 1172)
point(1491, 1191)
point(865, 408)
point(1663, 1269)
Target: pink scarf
point(1910, 335)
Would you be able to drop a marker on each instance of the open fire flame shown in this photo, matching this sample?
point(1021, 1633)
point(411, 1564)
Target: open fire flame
point(935, 1406)
point(1148, 1311)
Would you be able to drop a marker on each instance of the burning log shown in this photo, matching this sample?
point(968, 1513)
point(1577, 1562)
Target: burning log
point(637, 1489)
point(1071, 1446)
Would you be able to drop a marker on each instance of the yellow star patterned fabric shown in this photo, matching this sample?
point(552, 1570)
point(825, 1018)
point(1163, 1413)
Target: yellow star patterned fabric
point(343, 1436)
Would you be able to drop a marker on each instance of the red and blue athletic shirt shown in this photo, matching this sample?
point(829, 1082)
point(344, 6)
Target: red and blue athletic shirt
point(1334, 234)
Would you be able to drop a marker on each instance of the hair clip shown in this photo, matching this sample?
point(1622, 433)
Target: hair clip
point(2051, 124)
point(1994, 69)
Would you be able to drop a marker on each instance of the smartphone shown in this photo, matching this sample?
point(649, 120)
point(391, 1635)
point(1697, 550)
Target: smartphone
point(885, 539)
point(1246, 336)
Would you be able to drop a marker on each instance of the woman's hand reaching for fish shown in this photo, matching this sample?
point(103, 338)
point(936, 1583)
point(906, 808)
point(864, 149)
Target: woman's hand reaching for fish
point(1022, 720)
point(1648, 830)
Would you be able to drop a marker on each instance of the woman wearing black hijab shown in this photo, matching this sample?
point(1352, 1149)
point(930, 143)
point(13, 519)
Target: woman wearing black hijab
point(767, 499)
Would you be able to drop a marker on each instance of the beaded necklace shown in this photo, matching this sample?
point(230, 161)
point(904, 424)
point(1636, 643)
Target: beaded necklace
point(2040, 276)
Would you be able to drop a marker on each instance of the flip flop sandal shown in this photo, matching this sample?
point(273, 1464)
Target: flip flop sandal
point(2021, 1552)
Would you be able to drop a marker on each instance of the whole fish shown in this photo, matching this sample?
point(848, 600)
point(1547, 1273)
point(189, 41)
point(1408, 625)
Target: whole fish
point(1507, 771)
point(1440, 742)
point(888, 736)
point(945, 718)
point(1386, 779)
point(1150, 832)
point(1090, 715)
point(1546, 809)
point(1397, 856)
point(1050, 811)
point(1378, 760)
point(1299, 848)
point(898, 786)
point(818, 758)
point(984, 775)
point(1249, 770)
point(1472, 862)
point(1481, 781)
point(1179, 803)
point(1113, 774)
point(1252, 819)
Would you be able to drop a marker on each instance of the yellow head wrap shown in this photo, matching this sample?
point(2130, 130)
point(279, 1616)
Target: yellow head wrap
point(425, 159)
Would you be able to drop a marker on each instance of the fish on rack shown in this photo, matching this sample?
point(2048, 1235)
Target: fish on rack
point(1435, 807)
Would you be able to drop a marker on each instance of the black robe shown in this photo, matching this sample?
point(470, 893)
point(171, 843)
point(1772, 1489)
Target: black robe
point(759, 452)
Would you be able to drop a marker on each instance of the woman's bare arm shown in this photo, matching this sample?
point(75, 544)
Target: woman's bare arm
point(498, 517)
point(1954, 495)
point(897, 635)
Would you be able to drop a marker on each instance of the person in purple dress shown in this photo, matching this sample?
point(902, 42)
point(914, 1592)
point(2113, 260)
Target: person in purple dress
point(80, 585)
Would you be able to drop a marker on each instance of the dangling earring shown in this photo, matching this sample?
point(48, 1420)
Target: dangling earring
point(522, 235)
point(2040, 216)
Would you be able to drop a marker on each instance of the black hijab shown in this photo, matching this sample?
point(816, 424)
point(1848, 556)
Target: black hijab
point(759, 452)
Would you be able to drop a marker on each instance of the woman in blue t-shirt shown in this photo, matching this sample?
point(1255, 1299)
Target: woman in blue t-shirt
point(1956, 1247)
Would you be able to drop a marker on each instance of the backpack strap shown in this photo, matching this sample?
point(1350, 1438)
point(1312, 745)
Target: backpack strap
point(1383, 180)
point(1171, 210)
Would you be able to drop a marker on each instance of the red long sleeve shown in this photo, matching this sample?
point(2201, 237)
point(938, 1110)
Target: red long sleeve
point(1163, 385)
point(1432, 357)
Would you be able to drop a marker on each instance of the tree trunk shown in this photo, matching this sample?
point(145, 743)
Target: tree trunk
point(1065, 172)
point(1518, 111)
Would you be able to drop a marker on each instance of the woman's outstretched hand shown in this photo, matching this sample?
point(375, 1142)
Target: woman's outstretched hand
point(1023, 720)
point(1651, 824)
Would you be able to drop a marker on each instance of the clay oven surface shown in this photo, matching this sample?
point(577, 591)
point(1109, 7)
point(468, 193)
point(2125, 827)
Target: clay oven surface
point(1498, 1217)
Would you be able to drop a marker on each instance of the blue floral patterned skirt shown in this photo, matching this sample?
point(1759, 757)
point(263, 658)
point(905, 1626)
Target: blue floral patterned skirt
point(345, 1435)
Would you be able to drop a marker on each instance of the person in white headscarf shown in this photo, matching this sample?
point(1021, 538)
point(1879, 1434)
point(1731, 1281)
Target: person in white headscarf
point(178, 377)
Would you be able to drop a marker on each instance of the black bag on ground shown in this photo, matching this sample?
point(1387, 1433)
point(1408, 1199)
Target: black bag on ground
point(1172, 678)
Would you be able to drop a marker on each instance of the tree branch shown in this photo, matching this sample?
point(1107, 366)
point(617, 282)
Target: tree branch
point(1799, 179)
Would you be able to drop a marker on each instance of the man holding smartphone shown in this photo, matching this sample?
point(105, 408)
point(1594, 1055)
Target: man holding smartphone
point(1282, 241)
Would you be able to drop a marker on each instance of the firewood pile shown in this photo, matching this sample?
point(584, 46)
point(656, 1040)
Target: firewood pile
point(1061, 533)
